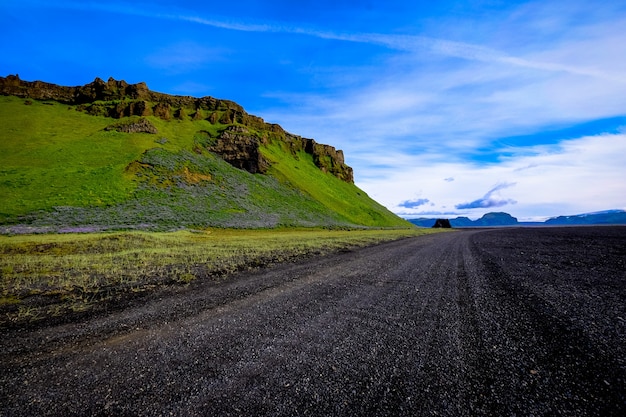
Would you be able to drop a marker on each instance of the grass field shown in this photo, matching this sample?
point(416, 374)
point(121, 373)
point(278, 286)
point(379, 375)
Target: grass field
point(53, 274)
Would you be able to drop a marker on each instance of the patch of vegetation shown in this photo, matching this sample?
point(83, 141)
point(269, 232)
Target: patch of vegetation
point(52, 274)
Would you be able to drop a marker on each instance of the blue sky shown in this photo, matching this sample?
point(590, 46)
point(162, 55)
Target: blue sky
point(442, 108)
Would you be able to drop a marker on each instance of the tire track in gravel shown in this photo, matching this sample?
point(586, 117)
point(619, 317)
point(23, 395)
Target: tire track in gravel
point(455, 324)
point(545, 354)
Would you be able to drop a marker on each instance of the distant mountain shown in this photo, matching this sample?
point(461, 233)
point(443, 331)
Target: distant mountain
point(601, 217)
point(505, 219)
point(489, 219)
point(115, 155)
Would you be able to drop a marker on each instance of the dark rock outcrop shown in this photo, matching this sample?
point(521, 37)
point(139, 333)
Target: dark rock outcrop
point(328, 159)
point(110, 93)
point(236, 144)
point(163, 111)
point(239, 148)
point(135, 126)
point(442, 223)
point(487, 220)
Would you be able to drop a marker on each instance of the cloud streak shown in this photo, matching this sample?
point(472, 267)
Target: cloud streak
point(490, 200)
point(183, 57)
point(413, 43)
point(574, 176)
point(411, 204)
point(410, 43)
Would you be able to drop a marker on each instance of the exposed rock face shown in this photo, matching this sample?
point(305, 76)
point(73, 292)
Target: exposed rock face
point(130, 99)
point(163, 111)
point(236, 145)
point(139, 126)
point(240, 149)
point(328, 159)
point(442, 223)
point(13, 86)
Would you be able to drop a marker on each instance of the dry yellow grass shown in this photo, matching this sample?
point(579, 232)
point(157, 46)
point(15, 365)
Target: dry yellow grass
point(77, 270)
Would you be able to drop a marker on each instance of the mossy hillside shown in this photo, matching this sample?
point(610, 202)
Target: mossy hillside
point(187, 188)
point(58, 166)
point(340, 197)
point(52, 155)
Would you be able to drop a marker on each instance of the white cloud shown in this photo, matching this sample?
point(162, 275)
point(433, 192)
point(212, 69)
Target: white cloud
point(574, 176)
point(492, 198)
point(412, 204)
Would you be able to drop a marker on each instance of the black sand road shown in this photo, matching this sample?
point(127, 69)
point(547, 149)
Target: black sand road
point(507, 322)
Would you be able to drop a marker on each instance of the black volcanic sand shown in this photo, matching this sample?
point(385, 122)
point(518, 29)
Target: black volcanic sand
point(503, 322)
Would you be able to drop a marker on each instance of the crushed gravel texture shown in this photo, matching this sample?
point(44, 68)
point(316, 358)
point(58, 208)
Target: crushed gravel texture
point(503, 322)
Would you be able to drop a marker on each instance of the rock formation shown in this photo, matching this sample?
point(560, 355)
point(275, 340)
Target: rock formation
point(239, 148)
point(236, 143)
point(442, 223)
point(134, 126)
point(328, 159)
point(113, 98)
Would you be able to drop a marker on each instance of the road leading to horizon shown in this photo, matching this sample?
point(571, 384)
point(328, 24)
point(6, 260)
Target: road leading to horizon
point(479, 322)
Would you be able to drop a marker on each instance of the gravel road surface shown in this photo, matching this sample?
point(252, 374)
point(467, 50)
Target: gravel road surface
point(503, 322)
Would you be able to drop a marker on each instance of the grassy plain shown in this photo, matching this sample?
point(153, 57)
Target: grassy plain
point(53, 274)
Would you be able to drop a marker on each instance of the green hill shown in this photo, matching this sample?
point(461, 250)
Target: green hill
point(113, 155)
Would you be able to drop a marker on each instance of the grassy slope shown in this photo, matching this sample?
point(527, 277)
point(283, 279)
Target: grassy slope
point(343, 198)
point(53, 156)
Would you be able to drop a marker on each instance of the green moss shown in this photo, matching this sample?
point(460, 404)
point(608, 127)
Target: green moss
point(9, 300)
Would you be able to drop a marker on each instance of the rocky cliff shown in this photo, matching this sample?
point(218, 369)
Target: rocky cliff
point(238, 143)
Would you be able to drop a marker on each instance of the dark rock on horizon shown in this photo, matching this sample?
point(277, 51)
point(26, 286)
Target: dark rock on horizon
point(442, 223)
point(489, 219)
point(608, 217)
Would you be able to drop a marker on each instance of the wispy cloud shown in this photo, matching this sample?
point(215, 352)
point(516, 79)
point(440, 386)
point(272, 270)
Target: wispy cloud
point(490, 199)
point(402, 42)
point(183, 57)
point(469, 51)
point(411, 204)
point(412, 43)
point(217, 23)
